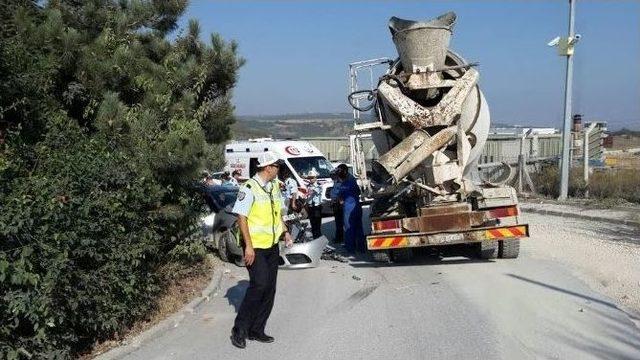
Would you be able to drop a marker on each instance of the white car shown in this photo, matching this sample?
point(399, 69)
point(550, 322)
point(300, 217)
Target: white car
point(221, 232)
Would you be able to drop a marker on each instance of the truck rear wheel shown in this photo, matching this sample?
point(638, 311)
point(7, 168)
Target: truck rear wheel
point(509, 249)
point(487, 250)
point(381, 256)
point(402, 255)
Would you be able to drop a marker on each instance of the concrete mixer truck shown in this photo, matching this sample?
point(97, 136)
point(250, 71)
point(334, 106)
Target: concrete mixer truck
point(429, 122)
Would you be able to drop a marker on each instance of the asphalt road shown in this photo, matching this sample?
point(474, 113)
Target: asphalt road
point(435, 308)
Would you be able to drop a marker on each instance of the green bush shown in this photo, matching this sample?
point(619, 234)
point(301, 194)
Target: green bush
point(104, 124)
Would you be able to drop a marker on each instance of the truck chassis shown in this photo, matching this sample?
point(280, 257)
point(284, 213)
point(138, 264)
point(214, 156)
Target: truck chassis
point(495, 230)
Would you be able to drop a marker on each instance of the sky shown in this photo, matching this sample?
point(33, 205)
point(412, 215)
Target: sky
point(297, 53)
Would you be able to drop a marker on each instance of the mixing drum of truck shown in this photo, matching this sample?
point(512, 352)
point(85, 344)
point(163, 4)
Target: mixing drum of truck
point(431, 124)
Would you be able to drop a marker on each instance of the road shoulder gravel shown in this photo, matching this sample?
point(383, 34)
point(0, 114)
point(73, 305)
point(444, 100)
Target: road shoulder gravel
point(604, 255)
point(619, 215)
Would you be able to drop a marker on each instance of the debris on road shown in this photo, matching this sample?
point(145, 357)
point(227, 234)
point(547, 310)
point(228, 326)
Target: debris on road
point(354, 277)
point(330, 254)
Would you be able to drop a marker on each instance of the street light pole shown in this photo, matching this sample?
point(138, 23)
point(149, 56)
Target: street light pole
point(566, 132)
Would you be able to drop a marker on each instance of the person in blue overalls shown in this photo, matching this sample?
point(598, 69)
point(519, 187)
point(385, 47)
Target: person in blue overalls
point(337, 208)
point(349, 195)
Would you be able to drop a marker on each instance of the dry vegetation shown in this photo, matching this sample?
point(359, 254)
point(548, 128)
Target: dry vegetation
point(616, 184)
point(609, 185)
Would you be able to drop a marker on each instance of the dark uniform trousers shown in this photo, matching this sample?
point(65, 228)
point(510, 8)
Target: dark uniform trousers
point(315, 218)
point(258, 300)
point(339, 221)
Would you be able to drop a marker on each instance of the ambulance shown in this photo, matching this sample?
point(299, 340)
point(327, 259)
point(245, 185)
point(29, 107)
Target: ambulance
point(300, 157)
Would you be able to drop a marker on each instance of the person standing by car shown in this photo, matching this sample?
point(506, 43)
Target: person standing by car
point(290, 191)
point(314, 203)
point(349, 197)
point(208, 179)
point(227, 180)
point(259, 210)
point(236, 177)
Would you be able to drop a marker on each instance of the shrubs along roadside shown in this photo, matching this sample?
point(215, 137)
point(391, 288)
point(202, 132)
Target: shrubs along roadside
point(609, 185)
point(616, 184)
point(104, 123)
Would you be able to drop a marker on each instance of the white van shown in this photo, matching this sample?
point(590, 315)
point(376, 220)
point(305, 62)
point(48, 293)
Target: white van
point(299, 156)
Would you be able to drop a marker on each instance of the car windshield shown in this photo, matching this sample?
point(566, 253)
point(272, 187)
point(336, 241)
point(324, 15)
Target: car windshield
point(303, 165)
point(223, 196)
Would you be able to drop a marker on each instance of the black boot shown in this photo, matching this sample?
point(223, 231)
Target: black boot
point(238, 339)
point(264, 338)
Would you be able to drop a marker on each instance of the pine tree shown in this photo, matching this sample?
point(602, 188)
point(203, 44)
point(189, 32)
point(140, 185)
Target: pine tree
point(104, 125)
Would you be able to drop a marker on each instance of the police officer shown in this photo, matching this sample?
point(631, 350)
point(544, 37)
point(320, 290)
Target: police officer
point(349, 197)
point(314, 203)
point(290, 191)
point(259, 207)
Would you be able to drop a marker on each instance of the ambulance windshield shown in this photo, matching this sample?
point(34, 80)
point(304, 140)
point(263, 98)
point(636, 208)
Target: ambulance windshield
point(304, 165)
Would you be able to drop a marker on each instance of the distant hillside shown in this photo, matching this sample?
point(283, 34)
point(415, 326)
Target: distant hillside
point(282, 129)
point(325, 124)
point(293, 125)
point(303, 116)
point(314, 125)
point(297, 125)
point(628, 132)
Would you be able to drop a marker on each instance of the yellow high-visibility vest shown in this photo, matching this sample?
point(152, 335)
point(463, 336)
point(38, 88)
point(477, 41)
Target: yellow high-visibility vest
point(265, 215)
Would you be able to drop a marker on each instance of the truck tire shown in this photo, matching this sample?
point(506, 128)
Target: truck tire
point(402, 255)
point(509, 249)
point(223, 251)
point(381, 256)
point(487, 250)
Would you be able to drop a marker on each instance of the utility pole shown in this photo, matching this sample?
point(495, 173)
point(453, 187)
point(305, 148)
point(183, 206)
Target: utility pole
point(565, 48)
point(566, 131)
